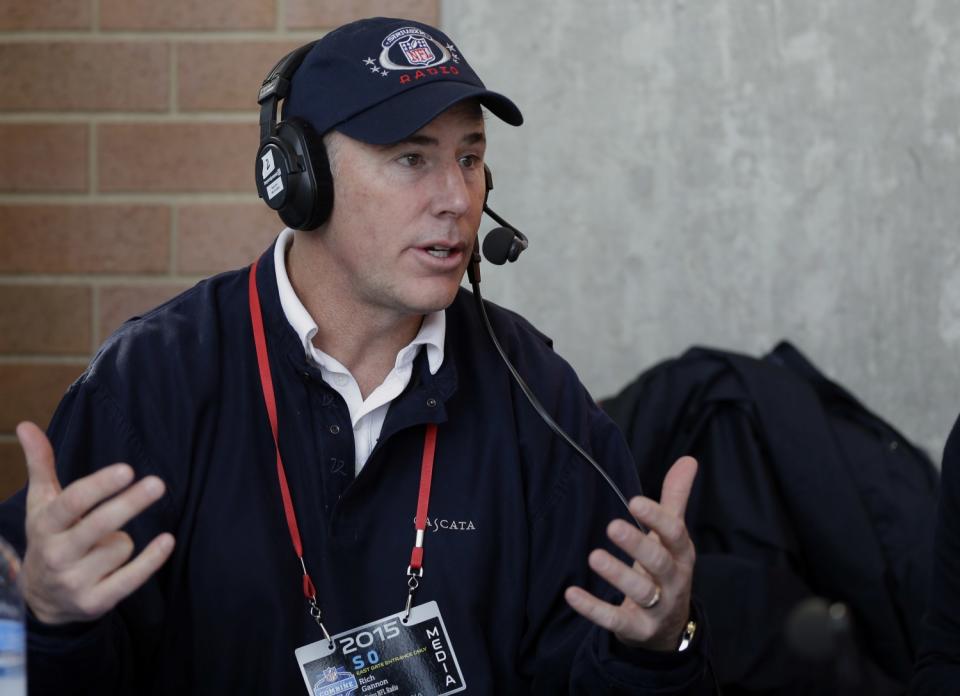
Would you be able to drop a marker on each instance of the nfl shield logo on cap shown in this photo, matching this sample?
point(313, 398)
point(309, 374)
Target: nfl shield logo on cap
point(417, 50)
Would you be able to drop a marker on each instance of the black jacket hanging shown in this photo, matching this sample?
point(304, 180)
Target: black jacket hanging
point(801, 492)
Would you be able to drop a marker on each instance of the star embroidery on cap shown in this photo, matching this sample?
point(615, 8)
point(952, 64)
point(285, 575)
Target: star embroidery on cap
point(374, 69)
point(383, 73)
point(368, 61)
point(453, 52)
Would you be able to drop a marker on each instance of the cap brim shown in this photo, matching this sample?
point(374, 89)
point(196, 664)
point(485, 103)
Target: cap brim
point(401, 116)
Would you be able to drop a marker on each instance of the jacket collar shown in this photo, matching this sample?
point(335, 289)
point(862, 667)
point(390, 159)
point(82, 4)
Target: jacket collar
point(283, 339)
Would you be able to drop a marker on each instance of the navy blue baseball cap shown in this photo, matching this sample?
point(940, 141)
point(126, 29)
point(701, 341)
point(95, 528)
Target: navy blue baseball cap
point(380, 80)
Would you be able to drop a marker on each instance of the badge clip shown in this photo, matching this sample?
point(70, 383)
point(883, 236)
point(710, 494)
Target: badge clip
point(413, 582)
point(311, 593)
point(315, 613)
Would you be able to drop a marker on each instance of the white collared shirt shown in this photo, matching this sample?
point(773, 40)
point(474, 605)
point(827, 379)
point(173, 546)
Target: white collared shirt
point(367, 415)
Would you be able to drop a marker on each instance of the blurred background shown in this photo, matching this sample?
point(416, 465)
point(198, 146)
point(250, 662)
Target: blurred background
point(726, 174)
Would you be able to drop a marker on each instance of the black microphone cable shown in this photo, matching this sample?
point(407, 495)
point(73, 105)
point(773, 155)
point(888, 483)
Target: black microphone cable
point(473, 273)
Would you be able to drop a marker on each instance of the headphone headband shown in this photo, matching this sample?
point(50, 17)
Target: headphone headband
point(276, 86)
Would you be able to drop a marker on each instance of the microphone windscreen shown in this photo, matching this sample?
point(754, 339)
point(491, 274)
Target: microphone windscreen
point(496, 245)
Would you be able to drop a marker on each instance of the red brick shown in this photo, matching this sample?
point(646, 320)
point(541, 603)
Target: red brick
point(13, 470)
point(84, 239)
point(189, 15)
point(45, 319)
point(84, 76)
point(214, 238)
point(310, 14)
point(32, 392)
point(225, 75)
point(43, 157)
point(177, 157)
point(45, 14)
point(121, 302)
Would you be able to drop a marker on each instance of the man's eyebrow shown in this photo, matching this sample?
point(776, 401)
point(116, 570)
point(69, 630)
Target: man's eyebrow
point(416, 140)
point(426, 140)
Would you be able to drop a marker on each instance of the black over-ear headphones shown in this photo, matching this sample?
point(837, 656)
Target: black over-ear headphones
point(292, 170)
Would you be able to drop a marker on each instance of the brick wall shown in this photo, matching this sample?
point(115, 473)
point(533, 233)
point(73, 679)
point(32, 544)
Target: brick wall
point(128, 130)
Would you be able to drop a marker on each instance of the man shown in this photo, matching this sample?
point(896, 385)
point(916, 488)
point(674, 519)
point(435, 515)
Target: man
point(287, 424)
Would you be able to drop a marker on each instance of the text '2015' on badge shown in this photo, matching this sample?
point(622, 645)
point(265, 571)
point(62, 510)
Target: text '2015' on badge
point(388, 656)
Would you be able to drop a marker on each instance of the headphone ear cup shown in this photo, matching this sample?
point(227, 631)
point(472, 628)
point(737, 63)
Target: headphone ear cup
point(301, 189)
point(284, 178)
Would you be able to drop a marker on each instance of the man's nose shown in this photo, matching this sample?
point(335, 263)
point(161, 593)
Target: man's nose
point(453, 192)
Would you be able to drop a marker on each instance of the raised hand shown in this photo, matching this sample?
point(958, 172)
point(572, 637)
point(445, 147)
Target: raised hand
point(77, 565)
point(656, 588)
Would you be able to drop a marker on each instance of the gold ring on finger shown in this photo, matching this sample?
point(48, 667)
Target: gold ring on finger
point(653, 600)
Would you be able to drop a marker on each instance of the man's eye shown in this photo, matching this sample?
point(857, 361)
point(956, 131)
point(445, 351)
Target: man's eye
point(469, 161)
point(410, 160)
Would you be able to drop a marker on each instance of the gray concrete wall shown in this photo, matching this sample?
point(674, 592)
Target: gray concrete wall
point(731, 172)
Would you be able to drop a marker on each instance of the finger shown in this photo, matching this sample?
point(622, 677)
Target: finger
point(606, 615)
point(671, 532)
point(127, 579)
point(103, 559)
point(81, 496)
point(632, 581)
point(41, 473)
point(114, 513)
point(647, 550)
point(677, 486)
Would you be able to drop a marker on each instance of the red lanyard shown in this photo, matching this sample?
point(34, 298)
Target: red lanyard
point(415, 569)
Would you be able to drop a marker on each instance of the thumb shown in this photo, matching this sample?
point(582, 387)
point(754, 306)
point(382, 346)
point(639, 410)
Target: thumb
point(677, 486)
point(42, 482)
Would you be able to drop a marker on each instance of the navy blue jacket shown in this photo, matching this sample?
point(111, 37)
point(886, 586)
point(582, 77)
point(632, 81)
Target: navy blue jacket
point(938, 664)
point(513, 512)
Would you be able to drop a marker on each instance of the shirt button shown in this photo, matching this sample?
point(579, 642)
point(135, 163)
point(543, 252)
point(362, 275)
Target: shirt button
point(341, 380)
point(431, 402)
point(334, 429)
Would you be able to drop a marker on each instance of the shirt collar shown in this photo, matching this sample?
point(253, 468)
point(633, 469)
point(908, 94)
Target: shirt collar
point(432, 329)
